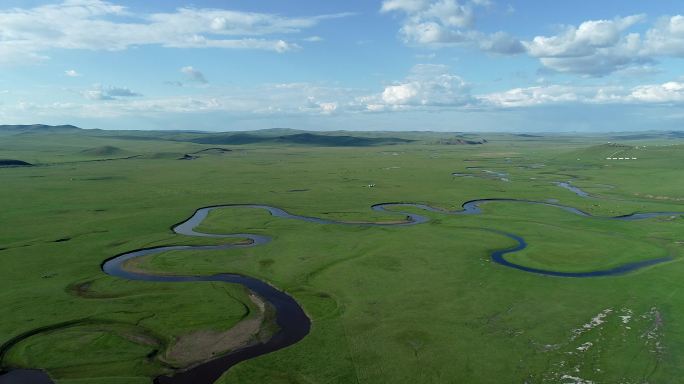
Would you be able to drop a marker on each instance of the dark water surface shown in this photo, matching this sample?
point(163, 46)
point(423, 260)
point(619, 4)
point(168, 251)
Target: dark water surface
point(25, 376)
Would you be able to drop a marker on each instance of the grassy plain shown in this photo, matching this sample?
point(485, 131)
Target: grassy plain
point(418, 304)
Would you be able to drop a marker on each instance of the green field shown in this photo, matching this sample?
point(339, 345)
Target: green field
point(414, 304)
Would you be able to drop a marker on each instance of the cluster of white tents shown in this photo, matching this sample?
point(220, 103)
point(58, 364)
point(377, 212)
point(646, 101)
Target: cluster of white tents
point(621, 158)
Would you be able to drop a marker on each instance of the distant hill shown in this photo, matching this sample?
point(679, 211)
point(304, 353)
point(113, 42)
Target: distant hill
point(460, 141)
point(299, 138)
point(649, 135)
point(105, 150)
point(228, 138)
point(39, 128)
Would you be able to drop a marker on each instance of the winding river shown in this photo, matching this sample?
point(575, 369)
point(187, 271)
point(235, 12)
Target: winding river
point(576, 190)
point(292, 321)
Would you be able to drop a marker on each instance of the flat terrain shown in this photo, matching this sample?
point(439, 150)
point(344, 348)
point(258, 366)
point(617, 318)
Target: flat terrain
point(413, 304)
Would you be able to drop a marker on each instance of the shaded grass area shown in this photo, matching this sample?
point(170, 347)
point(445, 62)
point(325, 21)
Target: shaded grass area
point(13, 163)
point(120, 348)
point(389, 305)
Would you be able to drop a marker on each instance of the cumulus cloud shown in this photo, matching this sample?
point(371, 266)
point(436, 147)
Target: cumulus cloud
point(428, 85)
point(583, 40)
point(595, 47)
point(592, 48)
point(401, 94)
point(447, 23)
point(102, 25)
point(602, 47)
point(194, 75)
point(72, 73)
point(98, 92)
point(666, 37)
point(670, 92)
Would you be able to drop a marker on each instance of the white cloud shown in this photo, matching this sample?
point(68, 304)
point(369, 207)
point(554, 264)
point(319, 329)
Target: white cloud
point(314, 106)
point(427, 85)
point(400, 94)
point(99, 92)
point(583, 40)
point(669, 92)
point(198, 41)
point(429, 88)
point(408, 6)
point(96, 94)
point(500, 42)
point(666, 37)
point(194, 74)
point(313, 39)
point(328, 108)
point(72, 73)
point(532, 96)
point(666, 93)
point(595, 47)
point(602, 47)
point(440, 23)
point(119, 107)
point(375, 107)
point(120, 92)
point(27, 33)
point(270, 99)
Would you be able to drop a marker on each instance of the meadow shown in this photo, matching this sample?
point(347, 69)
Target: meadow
point(395, 304)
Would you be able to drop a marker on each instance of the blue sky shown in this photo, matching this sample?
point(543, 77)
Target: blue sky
point(445, 65)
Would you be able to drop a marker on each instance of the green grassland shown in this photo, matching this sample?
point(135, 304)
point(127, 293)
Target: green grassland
point(415, 304)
